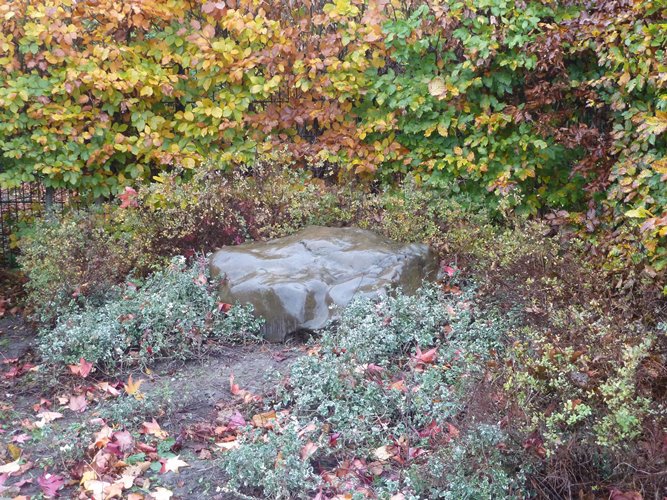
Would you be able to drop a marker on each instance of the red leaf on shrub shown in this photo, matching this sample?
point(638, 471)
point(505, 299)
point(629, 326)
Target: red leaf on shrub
point(333, 439)
point(82, 368)
point(320, 496)
point(308, 449)
point(430, 430)
point(399, 385)
point(453, 431)
point(627, 495)
point(50, 484)
point(374, 369)
point(449, 270)
point(535, 444)
point(128, 198)
point(374, 372)
point(425, 358)
point(415, 452)
point(222, 307)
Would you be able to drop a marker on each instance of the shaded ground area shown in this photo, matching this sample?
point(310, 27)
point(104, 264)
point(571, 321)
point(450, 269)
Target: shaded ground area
point(191, 400)
point(17, 338)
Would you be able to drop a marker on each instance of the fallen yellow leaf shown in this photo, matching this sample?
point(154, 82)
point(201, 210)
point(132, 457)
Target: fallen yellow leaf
point(14, 451)
point(132, 388)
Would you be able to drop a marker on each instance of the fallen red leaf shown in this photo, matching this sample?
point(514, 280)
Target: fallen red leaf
point(124, 440)
point(233, 388)
point(17, 371)
point(146, 448)
point(154, 429)
point(236, 421)
point(21, 438)
point(50, 484)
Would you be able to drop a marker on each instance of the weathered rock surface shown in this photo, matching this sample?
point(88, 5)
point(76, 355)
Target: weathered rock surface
point(298, 282)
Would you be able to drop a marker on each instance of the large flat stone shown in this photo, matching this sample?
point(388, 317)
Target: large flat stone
point(299, 282)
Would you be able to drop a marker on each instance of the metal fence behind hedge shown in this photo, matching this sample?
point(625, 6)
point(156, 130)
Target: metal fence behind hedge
point(22, 205)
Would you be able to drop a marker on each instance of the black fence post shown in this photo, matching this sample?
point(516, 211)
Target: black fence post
point(28, 200)
point(49, 195)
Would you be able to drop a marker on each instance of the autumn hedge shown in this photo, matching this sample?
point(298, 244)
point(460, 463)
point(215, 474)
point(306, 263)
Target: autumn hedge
point(523, 105)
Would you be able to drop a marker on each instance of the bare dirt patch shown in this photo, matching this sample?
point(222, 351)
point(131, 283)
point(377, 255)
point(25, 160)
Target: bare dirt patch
point(187, 395)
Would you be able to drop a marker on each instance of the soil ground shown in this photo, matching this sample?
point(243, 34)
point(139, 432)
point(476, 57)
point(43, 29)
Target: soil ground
point(191, 394)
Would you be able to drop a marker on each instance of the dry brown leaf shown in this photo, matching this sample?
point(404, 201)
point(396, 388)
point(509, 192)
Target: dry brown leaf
point(383, 453)
point(153, 428)
point(78, 403)
point(47, 417)
point(266, 420)
point(308, 449)
point(228, 445)
point(436, 87)
point(161, 493)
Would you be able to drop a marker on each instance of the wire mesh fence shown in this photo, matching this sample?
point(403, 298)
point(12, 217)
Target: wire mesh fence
point(22, 205)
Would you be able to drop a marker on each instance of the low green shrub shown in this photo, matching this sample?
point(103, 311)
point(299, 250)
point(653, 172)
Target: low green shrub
point(173, 313)
point(128, 411)
point(272, 464)
point(582, 386)
point(377, 395)
point(82, 254)
point(71, 258)
point(476, 468)
point(583, 376)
